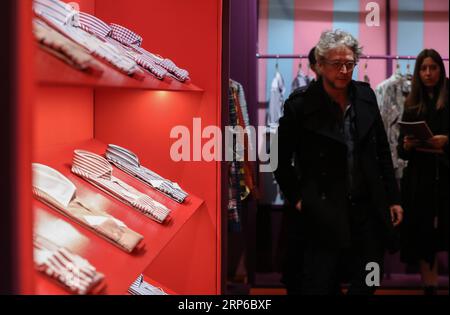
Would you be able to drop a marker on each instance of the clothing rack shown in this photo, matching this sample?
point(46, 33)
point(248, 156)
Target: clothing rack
point(367, 57)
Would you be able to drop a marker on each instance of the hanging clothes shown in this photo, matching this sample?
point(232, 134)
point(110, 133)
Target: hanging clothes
point(240, 169)
point(391, 95)
point(276, 101)
point(234, 200)
point(300, 81)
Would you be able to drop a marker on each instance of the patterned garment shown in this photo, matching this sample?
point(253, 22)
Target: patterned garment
point(128, 162)
point(131, 39)
point(94, 25)
point(96, 170)
point(235, 176)
point(140, 287)
point(276, 101)
point(73, 272)
point(57, 191)
point(117, 37)
point(65, 49)
point(391, 96)
point(242, 149)
point(300, 81)
point(56, 11)
point(64, 19)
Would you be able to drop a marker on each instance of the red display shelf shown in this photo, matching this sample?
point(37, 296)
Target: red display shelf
point(52, 71)
point(120, 268)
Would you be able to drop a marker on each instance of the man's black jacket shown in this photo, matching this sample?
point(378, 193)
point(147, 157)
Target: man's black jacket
point(308, 131)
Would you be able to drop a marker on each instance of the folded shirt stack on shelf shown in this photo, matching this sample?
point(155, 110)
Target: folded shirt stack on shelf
point(128, 162)
point(71, 271)
point(65, 49)
point(57, 191)
point(113, 43)
point(64, 19)
point(99, 172)
point(140, 287)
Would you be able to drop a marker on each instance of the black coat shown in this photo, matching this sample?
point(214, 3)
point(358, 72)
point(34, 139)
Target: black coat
point(308, 131)
point(425, 186)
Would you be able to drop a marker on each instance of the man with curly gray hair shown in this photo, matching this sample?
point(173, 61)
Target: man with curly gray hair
point(344, 196)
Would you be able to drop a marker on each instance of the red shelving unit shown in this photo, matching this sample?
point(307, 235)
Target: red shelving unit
point(61, 109)
point(118, 266)
point(54, 72)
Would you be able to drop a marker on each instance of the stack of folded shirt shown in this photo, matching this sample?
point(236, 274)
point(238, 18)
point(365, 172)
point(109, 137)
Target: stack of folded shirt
point(54, 189)
point(96, 170)
point(65, 49)
point(73, 272)
point(114, 43)
point(97, 27)
point(140, 287)
point(64, 19)
point(142, 56)
point(129, 163)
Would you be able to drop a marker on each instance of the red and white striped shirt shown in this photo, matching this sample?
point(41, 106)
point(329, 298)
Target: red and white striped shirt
point(97, 170)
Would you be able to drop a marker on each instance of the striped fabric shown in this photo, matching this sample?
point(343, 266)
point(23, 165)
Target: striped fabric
point(140, 287)
point(167, 64)
point(129, 163)
point(149, 64)
point(118, 38)
point(65, 49)
point(96, 170)
point(53, 13)
point(57, 191)
point(94, 25)
point(56, 11)
point(71, 271)
point(147, 59)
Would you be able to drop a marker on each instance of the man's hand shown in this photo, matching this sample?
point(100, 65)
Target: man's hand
point(298, 206)
point(438, 142)
point(396, 214)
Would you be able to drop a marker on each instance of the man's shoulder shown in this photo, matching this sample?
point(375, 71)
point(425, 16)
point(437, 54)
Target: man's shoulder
point(362, 85)
point(297, 97)
point(365, 92)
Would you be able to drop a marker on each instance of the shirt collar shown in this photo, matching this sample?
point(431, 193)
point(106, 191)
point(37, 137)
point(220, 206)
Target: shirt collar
point(120, 154)
point(57, 12)
point(91, 165)
point(94, 25)
point(53, 184)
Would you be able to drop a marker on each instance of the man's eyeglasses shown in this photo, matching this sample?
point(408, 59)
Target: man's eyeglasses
point(338, 65)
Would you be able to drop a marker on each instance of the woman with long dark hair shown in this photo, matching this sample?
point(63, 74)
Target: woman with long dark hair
point(425, 182)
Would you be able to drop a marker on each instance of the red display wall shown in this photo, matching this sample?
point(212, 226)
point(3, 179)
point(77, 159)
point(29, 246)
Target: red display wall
point(72, 110)
point(188, 32)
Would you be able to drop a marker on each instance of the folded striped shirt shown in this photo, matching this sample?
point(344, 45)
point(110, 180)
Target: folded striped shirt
point(65, 49)
point(56, 11)
point(97, 27)
point(140, 287)
point(131, 39)
point(71, 271)
point(57, 191)
point(53, 12)
point(97, 170)
point(129, 163)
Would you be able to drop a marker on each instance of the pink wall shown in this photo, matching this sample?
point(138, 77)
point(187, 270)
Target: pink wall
point(311, 19)
point(373, 39)
point(436, 27)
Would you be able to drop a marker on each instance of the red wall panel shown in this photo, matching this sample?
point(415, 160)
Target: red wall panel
point(188, 32)
point(62, 116)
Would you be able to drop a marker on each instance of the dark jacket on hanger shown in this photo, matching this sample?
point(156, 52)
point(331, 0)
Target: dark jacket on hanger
point(310, 131)
point(425, 196)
